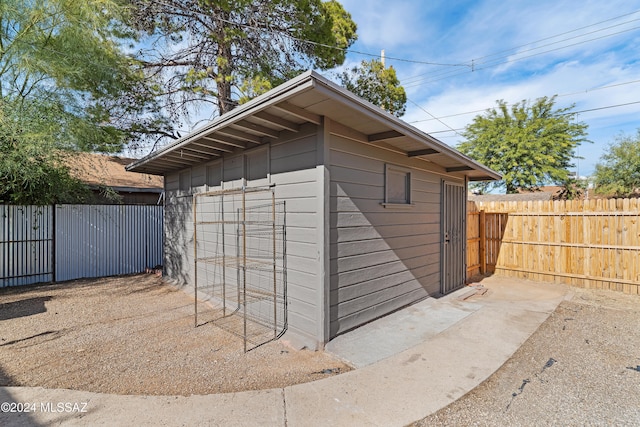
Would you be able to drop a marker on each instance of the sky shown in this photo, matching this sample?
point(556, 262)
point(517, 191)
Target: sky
point(456, 58)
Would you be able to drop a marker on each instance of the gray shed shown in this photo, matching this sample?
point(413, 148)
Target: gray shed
point(375, 209)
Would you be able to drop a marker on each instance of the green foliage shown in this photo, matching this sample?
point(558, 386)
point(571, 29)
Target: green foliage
point(65, 84)
point(32, 168)
point(65, 54)
point(33, 175)
point(377, 84)
point(109, 195)
point(223, 52)
point(618, 172)
point(250, 88)
point(530, 144)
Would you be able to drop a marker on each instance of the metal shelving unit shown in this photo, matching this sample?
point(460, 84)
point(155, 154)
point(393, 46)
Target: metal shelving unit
point(240, 259)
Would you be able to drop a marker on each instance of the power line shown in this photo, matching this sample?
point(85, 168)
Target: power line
point(544, 39)
point(564, 114)
point(604, 108)
point(541, 40)
point(493, 64)
point(569, 32)
point(599, 88)
point(557, 96)
point(452, 129)
point(286, 34)
point(474, 62)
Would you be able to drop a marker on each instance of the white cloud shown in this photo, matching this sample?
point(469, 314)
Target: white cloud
point(577, 84)
point(388, 25)
point(477, 29)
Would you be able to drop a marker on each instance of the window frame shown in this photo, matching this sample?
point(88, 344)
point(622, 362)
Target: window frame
point(390, 170)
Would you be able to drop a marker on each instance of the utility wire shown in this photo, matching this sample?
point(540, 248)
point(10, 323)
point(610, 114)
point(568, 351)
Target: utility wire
point(493, 64)
point(291, 37)
point(547, 38)
point(564, 114)
point(566, 39)
point(604, 108)
point(473, 66)
point(557, 96)
point(434, 117)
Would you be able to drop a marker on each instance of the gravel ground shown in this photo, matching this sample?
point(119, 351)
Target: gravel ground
point(135, 335)
point(580, 368)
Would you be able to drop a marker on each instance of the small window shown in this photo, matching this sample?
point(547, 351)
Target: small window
point(397, 186)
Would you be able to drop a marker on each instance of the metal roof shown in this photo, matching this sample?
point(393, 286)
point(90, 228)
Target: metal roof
point(307, 99)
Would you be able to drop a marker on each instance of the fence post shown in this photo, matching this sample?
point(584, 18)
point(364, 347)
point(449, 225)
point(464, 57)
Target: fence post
point(482, 224)
point(53, 243)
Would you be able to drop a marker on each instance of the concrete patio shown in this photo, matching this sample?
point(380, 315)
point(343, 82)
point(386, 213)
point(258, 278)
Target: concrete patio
point(410, 364)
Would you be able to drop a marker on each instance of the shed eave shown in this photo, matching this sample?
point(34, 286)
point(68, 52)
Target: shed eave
point(299, 98)
point(422, 140)
point(287, 90)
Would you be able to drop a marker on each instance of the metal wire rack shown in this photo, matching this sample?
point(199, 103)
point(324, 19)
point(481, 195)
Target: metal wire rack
point(240, 262)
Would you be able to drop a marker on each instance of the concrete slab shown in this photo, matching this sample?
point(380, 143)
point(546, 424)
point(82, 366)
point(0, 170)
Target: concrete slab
point(249, 409)
point(401, 330)
point(457, 353)
point(416, 382)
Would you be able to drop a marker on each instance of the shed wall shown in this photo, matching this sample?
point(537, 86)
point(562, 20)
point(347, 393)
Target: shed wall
point(291, 165)
point(382, 258)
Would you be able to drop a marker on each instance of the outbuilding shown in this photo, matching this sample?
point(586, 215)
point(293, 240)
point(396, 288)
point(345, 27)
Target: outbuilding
point(371, 211)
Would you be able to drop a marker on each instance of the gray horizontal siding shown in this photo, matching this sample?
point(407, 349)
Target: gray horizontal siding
point(293, 171)
point(292, 168)
point(381, 258)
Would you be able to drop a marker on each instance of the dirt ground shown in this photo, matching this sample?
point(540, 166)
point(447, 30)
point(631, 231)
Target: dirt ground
point(581, 367)
point(136, 335)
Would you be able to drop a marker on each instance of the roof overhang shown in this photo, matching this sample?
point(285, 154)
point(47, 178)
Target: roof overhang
point(308, 98)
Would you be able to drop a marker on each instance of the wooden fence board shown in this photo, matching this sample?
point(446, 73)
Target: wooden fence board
point(590, 243)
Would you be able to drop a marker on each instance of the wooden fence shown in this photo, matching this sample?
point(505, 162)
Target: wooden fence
point(484, 236)
point(592, 243)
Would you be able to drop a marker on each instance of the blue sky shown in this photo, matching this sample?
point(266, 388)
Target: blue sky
point(519, 50)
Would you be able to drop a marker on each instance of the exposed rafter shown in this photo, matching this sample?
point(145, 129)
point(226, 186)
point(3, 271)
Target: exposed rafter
point(262, 130)
point(384, 135)
point(299, 112)
point(296, 106)
point(210, 148)
point(275, 120)
point(347, 132)
point(186, 152)
point(171, 158)
point(425, 152)
point(238, 134)
point(232, 142)
point(459, 169)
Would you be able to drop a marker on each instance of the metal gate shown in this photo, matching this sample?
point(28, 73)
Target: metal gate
point(453, 237)
point(26, 245)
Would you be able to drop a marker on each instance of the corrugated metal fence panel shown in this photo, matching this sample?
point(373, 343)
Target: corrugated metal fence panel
point(107, 240)
point(26, 245)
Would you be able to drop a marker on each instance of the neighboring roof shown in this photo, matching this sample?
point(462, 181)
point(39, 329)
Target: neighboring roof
point(306, 99)
point(99, 169)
